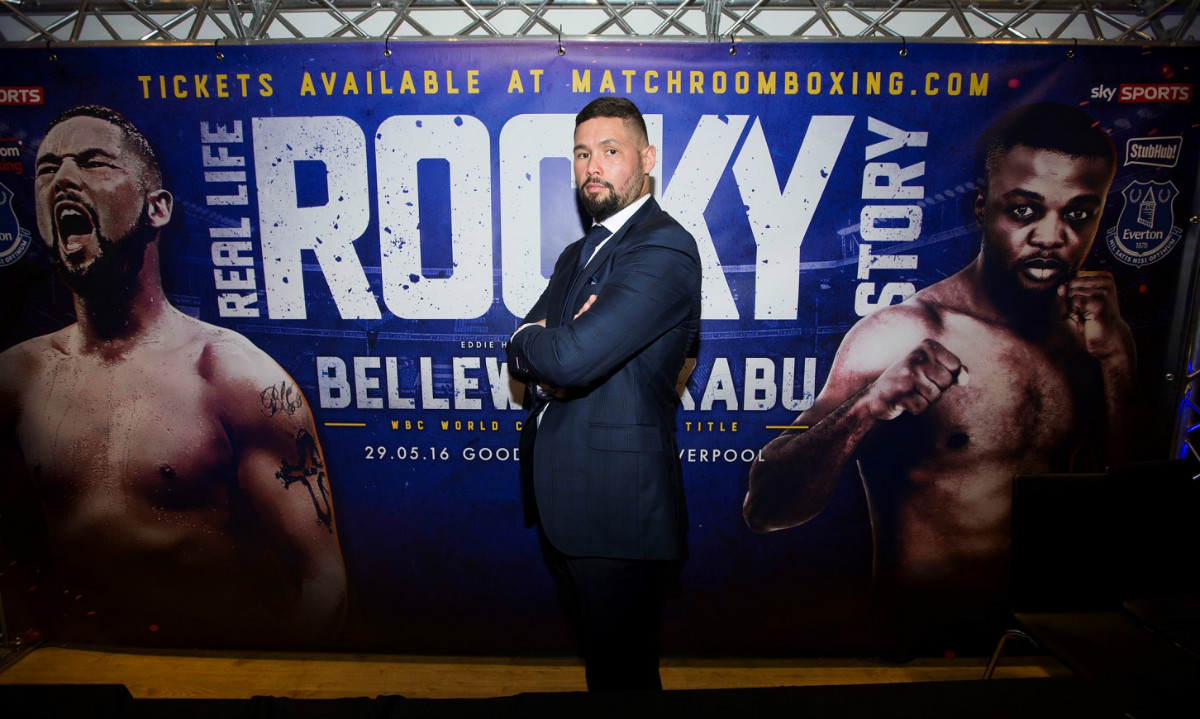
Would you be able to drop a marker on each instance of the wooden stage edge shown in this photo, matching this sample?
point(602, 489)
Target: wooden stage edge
point(241, 675)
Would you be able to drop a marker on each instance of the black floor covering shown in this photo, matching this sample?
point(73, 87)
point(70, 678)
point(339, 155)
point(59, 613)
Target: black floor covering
point(1058, 697)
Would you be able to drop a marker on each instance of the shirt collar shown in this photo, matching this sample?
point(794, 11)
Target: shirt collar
point(618, 220)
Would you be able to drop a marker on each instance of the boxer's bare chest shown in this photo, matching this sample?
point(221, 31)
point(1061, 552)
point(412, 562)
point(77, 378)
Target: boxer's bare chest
point(121, 434)
point(1026, 406)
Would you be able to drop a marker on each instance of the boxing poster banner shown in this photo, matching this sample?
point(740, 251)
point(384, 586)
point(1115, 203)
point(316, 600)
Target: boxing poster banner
point(253, 390)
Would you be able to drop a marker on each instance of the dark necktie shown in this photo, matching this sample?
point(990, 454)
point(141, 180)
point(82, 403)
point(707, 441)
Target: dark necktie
point(594, 237)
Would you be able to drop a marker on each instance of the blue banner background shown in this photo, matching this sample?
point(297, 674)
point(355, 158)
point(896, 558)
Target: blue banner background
point(434, 546)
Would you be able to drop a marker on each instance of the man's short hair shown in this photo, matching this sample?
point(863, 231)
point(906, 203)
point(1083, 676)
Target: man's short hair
point(133, 136)
point(618, 107)
point(1044, 126)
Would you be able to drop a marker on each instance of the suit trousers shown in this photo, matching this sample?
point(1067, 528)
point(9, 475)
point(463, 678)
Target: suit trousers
point(614, 607)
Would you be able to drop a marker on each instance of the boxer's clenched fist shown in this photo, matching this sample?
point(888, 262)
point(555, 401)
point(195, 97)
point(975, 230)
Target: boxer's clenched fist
point(1091, 308)
point(916, 381)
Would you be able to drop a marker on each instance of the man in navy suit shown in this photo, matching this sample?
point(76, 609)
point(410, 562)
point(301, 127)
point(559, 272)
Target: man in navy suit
point(602, 350)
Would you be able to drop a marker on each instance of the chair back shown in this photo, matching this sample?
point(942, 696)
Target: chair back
point(1086, 542)
point(1062, 543)
point(1158, 509)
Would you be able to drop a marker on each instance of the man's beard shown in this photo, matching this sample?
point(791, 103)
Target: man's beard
point(1024, 304)
point(114, 270)
point(612, 202)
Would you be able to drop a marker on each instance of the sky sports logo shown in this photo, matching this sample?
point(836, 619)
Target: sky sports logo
point(1144, 92)
point(1173, 92)
point(22, 96)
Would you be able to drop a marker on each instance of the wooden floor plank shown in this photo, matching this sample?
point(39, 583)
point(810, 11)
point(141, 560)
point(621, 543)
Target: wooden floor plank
point(240, 675)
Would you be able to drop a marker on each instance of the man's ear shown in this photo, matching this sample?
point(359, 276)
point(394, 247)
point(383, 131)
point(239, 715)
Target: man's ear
point(649, 158)
point(980, 204)
point(158, 208)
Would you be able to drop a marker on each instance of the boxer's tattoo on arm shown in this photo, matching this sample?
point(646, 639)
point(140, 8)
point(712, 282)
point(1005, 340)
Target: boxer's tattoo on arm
point(283, 397)
point(310, 472)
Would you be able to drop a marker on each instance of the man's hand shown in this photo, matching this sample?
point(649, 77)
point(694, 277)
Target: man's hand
point(1091, 307)
point(916, 381)
point(545, 391)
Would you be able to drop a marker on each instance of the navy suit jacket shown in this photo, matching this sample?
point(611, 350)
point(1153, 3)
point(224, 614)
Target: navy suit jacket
point(603, 462)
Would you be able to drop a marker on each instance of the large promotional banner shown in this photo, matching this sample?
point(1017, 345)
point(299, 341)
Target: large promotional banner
point(348, 238)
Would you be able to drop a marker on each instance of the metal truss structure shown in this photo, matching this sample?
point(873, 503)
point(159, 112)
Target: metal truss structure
point(189, 21)
point(1187, 430)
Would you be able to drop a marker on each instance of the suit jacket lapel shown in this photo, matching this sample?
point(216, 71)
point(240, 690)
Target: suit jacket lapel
point(560, 283)
point(559, 294)
point(609, 247)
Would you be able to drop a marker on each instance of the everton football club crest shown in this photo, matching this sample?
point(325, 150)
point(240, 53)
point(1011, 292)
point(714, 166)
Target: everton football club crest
point(14, 240)
point(1145, 231)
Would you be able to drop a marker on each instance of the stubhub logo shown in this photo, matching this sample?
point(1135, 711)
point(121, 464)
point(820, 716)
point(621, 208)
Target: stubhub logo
point(1154, 151)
